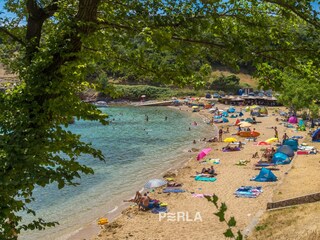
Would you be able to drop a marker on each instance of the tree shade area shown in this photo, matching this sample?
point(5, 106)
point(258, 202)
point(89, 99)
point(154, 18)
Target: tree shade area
point(54, 45)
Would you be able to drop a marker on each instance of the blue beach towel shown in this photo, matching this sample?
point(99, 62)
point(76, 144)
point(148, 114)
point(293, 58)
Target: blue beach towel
point(248, 192)
point(173, 190)
point(205, 179)
point(159, 210)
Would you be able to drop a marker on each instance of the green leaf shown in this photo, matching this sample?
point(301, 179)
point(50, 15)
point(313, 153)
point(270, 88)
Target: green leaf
point(232, 222)
point(228, 233)
point(239, 236)
point(221, 216)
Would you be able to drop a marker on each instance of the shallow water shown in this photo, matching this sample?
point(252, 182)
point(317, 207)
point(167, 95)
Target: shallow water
point(135, 149)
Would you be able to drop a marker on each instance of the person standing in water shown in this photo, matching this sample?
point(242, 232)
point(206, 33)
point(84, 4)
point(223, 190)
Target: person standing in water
point(147, 118)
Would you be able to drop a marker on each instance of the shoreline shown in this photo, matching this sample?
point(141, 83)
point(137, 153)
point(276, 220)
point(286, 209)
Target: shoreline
point(246, 223)
point(92, 229)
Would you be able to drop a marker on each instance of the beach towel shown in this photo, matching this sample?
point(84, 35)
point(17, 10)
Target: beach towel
point(159, 210)
point(170, 179)
point(264, 164)
point(302, 152)
point(205, 179)
point(248, 191)
point(213, 161)
point(229, 150)
point(173, 190)
point(242, 163)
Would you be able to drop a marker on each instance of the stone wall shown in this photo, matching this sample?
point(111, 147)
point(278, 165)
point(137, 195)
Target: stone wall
point(295, 201)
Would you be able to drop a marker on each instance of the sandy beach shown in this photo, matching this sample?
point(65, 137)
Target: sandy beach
point(198, 220)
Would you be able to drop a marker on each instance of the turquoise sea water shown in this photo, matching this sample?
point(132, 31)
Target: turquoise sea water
point(136, 150)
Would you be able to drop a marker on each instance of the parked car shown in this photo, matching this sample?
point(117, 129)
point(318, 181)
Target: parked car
point(208, 95)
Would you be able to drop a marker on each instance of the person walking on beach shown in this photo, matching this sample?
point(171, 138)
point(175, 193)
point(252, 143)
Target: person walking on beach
point(220, 135)
point(276, 135)
point(284, 137)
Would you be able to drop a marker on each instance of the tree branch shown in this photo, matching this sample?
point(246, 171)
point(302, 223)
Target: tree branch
point(198, 42)
point(51, 8)
point(14, 37)
point(314, 22)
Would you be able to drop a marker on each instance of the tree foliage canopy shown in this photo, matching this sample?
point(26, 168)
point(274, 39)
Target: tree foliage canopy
point(54, 44)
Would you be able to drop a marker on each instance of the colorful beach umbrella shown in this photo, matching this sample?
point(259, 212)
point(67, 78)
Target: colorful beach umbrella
point(203, 153)
point(271, 140)
point(154, 183)
point(230, 139)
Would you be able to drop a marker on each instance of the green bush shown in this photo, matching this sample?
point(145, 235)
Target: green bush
point(134, 92)
point(229, 84)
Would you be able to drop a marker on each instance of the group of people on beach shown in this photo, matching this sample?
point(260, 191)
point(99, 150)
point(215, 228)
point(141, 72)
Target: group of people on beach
point(143, 201)
point(210, 171)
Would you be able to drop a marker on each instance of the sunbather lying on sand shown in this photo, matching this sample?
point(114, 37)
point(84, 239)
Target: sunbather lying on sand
point(207, 171)
point(174, 184)
point(229, 148)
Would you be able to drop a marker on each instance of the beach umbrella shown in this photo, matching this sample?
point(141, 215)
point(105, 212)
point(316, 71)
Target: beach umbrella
point(286, 149)
point(154, 183)
point(245, 124)
point(230, 139)
point(271, 140)
point(203, 153)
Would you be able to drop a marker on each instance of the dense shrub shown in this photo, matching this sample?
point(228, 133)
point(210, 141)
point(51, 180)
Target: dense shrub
point(229, 84)
point(134, 92)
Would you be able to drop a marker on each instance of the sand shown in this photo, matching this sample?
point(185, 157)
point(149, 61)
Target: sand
point(196, 215)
